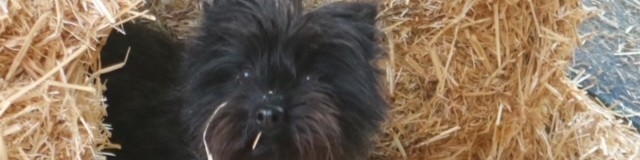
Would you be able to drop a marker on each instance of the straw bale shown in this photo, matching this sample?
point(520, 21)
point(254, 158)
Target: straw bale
point(51, 105)
point(475, 79)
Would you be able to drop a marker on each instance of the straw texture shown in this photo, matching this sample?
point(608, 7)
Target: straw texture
point(479, 79)
point(51, 106)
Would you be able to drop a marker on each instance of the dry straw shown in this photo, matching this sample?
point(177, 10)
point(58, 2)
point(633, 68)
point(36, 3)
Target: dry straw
point(486, 79)
point(51, 106)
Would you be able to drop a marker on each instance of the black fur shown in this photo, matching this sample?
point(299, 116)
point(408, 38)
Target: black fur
point(250, 55)
point(143, 97)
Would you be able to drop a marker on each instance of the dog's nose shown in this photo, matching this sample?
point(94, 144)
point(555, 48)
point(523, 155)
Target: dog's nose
point(270, 116)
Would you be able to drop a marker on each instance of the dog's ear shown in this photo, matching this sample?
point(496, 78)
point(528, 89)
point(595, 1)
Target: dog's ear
point(359, 17)
point(362, 12)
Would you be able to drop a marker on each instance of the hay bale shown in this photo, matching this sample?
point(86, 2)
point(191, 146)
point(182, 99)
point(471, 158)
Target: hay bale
point(487, 80)
point(51, 105)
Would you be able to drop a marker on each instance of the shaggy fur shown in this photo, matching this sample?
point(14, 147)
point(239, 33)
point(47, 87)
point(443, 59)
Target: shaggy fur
point(143, 97)
point(305, 82)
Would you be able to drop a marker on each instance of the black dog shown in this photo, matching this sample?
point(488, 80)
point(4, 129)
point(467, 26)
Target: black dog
point(262, 80)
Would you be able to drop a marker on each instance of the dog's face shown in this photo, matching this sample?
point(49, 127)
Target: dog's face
point(284, 84)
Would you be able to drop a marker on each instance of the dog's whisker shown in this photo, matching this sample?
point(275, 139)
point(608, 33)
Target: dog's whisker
point(255, 142)
point(206, 126)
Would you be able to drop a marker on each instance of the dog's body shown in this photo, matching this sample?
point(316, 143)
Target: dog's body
point(143, 98)
point(283, 85)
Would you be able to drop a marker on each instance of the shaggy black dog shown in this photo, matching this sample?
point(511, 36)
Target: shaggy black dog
point(262, 80)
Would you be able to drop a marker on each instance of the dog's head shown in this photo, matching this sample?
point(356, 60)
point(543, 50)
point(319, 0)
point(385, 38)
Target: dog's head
point(284, 84)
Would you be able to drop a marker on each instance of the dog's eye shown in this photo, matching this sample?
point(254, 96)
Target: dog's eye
point(244, 74)
point(310, 78)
